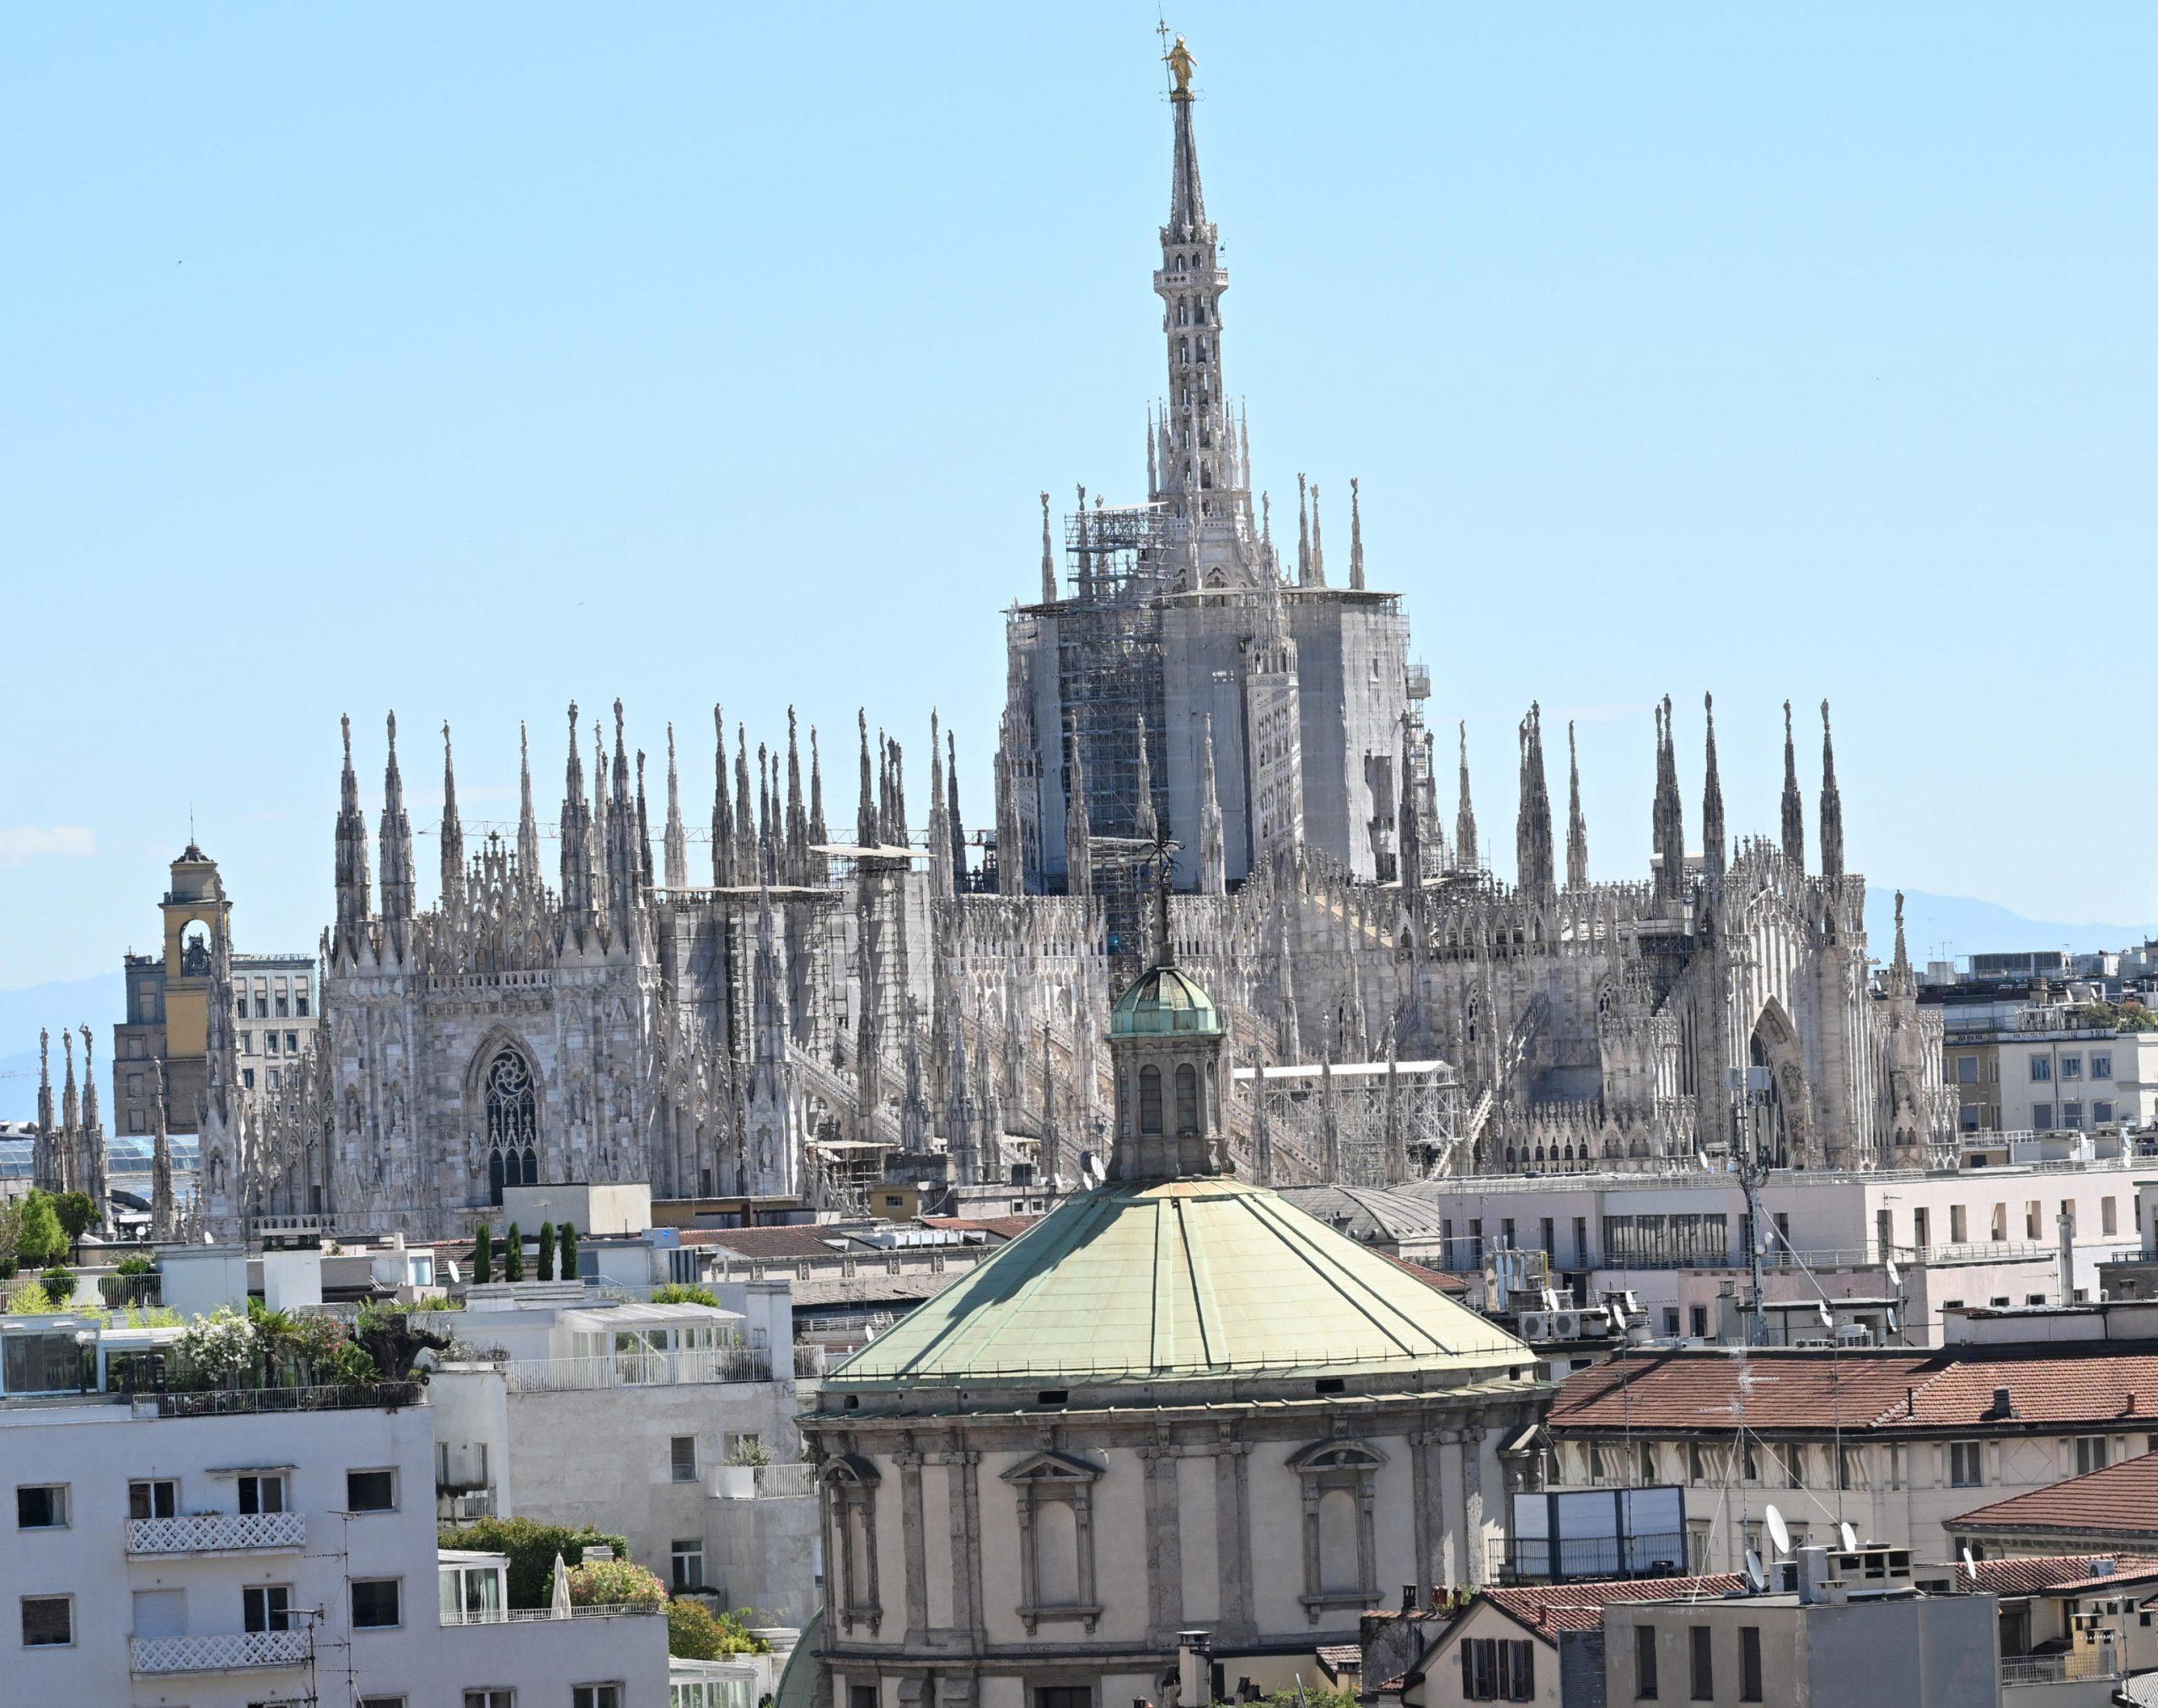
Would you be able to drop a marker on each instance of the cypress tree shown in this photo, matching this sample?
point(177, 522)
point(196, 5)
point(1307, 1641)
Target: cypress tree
point(546, 1251)
point(567, 1261)
point(483, 1256)
point(513, 1254)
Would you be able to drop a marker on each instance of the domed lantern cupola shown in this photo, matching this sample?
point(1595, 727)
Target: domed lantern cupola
point(1165, 1046)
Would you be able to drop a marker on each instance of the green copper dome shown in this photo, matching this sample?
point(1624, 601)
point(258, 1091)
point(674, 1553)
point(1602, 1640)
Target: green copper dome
point(1142, 1282)
point(1162, 1002)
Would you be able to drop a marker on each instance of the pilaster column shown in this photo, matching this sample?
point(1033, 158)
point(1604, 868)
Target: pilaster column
point(1164, 1546)
point(1472, 1500)
point(1232, 1538)
point(1454, 1547)
point(915, 1543)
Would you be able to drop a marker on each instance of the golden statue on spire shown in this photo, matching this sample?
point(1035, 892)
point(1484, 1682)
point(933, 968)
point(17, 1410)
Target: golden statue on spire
point(1181, 66)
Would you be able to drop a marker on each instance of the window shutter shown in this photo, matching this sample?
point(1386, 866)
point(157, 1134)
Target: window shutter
point(1504, 1684)
point(1467, 1671)
point(1524, 1672)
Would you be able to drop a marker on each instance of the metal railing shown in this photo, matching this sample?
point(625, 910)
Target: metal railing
point(223, 1402)
point(777, 1482)
point(1537, 1559)
point(637, 1370)
point(222, 1651)
point(464, 1508)
point(2060, 1669)
point(518, 1615)
point(216, 1532)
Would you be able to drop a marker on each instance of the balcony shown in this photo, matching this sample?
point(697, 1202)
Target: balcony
point(2072, 1667)
point(224, 1402)
point(216, 1532)
point(1539, 1560)
point(464, 1505)
point(523, 1615)
point(223, 1652)
point(638, 1370)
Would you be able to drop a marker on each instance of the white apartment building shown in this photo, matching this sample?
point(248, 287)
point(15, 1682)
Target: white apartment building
point(216, 1549)
point(1980, 1236)
point(628, 1416)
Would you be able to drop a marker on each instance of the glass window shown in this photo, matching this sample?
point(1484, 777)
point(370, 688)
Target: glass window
point(376, 1603)
point(689, 1563)
point(1749, 1663)
point(299, 1000)
point(1187, 1098)
point(2041, 1116)
point(1150, 1100)
point(246, 1042)
point(2071, 1067)
point(2102, 1110)
point(1703, 1669)
point(41, 1363)
point(152, 1497)
point(247, 1078)
point(292, 1043)
point(490, 1698)
point(267, 1606)
point(42, 1506)
point(682, 1458)
point(370, 1492)
point(2071, 1114)
point(1967, 1069)
point(2090, 1454)
point(48, 1621)
point(2101, 1064)
point(2041, 1068)
point(263, 1492)
point(1966, 1464)
point(596, 1696)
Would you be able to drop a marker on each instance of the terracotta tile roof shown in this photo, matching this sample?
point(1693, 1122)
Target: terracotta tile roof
point(1437, 1278)
point(1946, 1388)
point(2029, 1576)
point(1003, 1227)
point(1341, 1657)
point(2121, 1500)
point(1549, 1609)
point(772, 1244)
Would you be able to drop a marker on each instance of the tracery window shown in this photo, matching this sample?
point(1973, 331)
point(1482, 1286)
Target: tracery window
point(512, 1125)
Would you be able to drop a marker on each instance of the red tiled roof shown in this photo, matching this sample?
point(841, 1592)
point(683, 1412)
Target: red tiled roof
point(1892, 1390)
point(1342, 1657)
point(2121, 1500)
point(1437, 1278)
point(1003, 1227)
point(1551, 1607)
point(2029, 1576)
point(770, 1244)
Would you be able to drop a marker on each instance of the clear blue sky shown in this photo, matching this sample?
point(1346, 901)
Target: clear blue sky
point(462, 360)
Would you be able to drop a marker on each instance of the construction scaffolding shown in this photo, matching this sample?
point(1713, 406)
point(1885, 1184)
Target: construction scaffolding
point(1366, 1122)
point(1109, 677)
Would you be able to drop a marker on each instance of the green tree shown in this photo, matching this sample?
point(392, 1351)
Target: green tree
point(483, 1256)
point(76, 1212)
point(513, 1254)
point(546, 1270)
point(695, 1633)
point(531, 1547)
point(566, 1260)
point(59, 1284)
point(684, 1293)
point(42, 1239)
point(613, 1582)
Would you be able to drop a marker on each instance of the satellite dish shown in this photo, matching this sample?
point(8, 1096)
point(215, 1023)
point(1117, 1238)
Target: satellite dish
point(1849, 1536)
point(1895, 1276)
point(1827, 1321)
point(1755, 1578)
point(1778, 1532)
point(1893, 1326)
point(1970, 1565)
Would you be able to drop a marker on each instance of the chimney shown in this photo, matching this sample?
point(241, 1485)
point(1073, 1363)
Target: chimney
point(1195, 1680)
point(2067, 1258)
point(1816, 1587)
point(2003, 1404)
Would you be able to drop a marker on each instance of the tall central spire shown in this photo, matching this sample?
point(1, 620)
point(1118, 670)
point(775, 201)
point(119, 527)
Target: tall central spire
point(1199, 463)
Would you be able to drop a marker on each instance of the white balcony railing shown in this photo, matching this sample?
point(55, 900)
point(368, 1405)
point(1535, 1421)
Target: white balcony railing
point(638, 1370)
point(216, 1532)
point(2072, 1667)
point(774, 1482)
point(222, 1651)
point(506, 1615)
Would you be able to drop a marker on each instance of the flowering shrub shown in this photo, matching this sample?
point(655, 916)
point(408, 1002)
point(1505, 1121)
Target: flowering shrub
point(612, 1581)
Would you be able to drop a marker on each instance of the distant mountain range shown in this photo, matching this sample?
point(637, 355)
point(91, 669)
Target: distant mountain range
point(1942, 928)
point(1938, 927)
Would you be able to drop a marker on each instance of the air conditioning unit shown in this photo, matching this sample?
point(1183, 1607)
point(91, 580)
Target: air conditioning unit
point(1536, 1326)
point(1853, 1335)
point(1566, 1325)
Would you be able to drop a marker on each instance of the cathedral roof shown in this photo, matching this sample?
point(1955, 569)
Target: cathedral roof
point(1163, 1001)
point(1144, 1282)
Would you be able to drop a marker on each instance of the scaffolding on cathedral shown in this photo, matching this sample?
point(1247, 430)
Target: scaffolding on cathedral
point(1364, 1123)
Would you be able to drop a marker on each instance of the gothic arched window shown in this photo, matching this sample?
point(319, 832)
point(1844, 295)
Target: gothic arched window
point(1150, 1100)
point(512, 1125)
point(1187, 1098)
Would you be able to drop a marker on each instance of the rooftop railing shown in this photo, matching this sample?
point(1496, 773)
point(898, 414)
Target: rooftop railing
point(227, 1402)
point(638, 1370)
point(518, 1615)
point(2065, 1668)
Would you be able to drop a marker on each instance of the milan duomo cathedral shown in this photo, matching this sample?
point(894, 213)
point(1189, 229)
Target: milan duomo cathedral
point(1190, 700)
